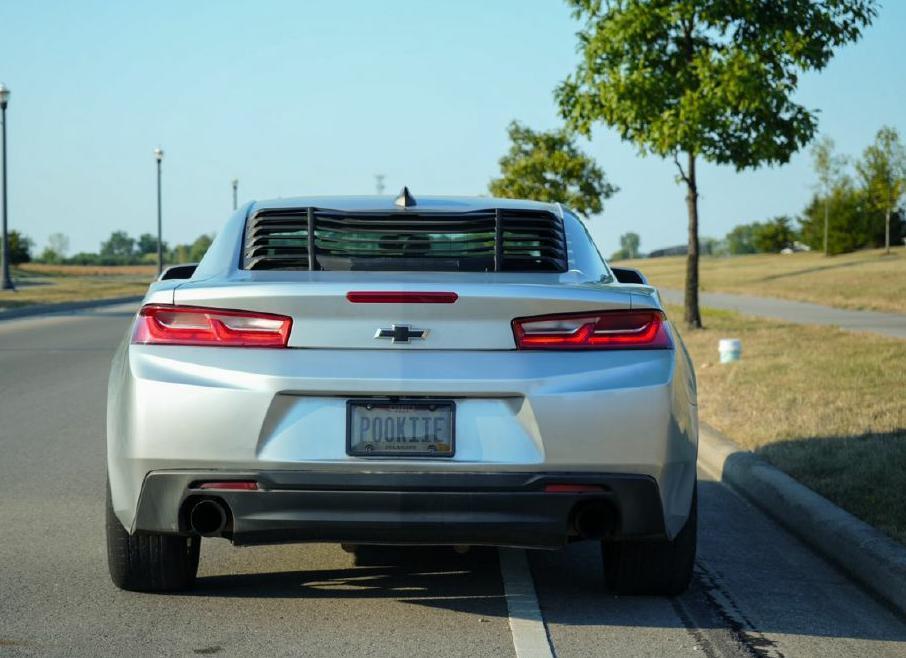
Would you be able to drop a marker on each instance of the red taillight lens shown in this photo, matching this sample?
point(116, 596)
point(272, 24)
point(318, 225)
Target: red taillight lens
point(159, 324)
point(607, 330)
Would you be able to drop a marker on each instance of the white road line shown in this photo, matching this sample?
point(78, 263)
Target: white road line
point(526, 624)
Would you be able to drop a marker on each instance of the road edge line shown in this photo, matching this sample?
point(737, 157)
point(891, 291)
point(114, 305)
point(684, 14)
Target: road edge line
point(65, 307)
point(865, 553)
point(526, 623)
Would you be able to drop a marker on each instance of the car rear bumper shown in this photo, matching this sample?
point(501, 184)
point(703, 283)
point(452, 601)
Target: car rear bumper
point(511, 509)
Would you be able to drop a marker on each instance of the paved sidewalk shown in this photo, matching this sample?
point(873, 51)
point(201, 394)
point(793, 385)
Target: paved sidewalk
point(888, 324)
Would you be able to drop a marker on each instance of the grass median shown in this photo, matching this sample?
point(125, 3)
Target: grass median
point(38, 283)
point(867, 279)
point(824, 405)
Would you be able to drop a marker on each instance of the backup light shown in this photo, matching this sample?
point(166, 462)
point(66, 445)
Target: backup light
point(606, 330)
point(161, 324)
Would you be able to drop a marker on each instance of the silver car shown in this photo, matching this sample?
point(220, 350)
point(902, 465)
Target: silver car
point(431, 370)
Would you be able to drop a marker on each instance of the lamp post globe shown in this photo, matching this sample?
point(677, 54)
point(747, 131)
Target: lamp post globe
point(6, 282)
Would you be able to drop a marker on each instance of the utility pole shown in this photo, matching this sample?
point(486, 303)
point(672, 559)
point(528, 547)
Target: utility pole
point(235, 192)
point(4, 253)
point(379, 183)
point(159, 156)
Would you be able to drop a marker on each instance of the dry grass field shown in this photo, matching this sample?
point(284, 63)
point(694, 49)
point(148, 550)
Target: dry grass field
point(38, 283)
point(836, 424)
point(862, 280)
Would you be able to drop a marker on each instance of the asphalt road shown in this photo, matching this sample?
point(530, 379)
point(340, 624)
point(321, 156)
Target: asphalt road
point(887, 324)
point(757, 591)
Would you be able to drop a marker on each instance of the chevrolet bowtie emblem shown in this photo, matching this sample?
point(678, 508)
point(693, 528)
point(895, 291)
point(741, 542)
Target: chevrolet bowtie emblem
point(401, 333)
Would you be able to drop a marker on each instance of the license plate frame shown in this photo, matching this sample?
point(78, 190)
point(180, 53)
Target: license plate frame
point(353, 451)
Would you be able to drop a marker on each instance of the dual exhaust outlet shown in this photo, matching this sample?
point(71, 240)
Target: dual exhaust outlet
point(208, 517)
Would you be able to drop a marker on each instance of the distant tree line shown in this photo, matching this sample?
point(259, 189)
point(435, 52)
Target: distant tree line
point(863, 207)
point(119, 249)
point(857, 204)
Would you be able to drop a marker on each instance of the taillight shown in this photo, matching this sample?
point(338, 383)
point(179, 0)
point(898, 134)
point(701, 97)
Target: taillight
point(606, 330)
point(159, 324)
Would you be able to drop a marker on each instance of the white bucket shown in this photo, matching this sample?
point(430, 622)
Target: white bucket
point(730, 349)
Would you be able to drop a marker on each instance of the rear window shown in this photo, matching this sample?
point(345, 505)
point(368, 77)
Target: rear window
point(480, 241)
point(583, 253)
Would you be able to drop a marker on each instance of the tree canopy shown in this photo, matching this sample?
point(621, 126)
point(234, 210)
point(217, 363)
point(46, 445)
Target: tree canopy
point(883, 173)
point(710, 79)
point(548, 166)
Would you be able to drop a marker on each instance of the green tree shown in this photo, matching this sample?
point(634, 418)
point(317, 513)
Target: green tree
point(829, 168)
point(200, 247)
point(854, 222)
point(883, 174)
point(704, 79)
point(774, 235)
point(119, 245)
point(548, 166)
point(147, 244)
point(741, 240)
point(713, 246)
point(629, 244)
point(19, 248)
point(56, 249)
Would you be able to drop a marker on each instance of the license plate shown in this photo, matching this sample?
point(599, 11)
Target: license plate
point(404, 428)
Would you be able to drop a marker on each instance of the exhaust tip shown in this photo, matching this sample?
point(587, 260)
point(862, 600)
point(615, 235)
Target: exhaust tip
point(208, 517)
point(593, 520)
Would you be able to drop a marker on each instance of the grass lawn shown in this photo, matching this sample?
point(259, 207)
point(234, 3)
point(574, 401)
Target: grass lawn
point(862, 280)
point(824, 405)
point(38, 283)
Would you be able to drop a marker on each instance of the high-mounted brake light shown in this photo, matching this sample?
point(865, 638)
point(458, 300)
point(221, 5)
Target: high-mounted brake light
point(606, 330)
point(397, 297)
point(160, 324)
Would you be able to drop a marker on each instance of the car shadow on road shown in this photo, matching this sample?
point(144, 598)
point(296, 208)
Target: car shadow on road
point(433, 576)
point(753, 581)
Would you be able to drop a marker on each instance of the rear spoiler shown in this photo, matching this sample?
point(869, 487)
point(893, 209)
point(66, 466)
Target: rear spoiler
point(184, 271)
point(629, 275)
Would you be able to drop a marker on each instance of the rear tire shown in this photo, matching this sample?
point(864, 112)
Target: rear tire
point(653, 567)
point(149, 562)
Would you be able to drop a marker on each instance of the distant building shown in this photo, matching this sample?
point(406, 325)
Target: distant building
point(680, 250)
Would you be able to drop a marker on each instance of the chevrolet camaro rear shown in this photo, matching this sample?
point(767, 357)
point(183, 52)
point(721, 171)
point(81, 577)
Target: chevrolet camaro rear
point(364, 370)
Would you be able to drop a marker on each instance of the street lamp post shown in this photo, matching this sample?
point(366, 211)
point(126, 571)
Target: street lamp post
point(7, 283)
point(159, 156)
point(235, 192)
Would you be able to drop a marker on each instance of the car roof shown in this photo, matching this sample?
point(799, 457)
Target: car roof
point(386, 202)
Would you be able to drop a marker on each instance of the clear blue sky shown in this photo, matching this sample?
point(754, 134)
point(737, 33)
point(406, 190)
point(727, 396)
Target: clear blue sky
point(307, 98)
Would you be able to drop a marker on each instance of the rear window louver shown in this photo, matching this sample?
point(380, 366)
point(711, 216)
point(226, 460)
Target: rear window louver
point(479, 241)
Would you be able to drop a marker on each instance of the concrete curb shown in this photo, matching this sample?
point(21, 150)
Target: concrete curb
point(47, 309)
point(867, 554)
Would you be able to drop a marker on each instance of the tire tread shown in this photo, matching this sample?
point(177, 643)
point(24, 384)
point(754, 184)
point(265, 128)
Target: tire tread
point(149, 562)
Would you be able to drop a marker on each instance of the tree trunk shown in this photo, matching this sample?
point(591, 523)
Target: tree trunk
point(692, 315)
point(826, 213)
point(887, 232)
